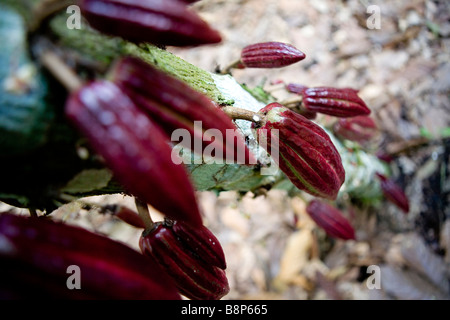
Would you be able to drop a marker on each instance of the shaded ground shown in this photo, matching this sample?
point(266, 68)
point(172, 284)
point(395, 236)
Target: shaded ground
point(273, 250)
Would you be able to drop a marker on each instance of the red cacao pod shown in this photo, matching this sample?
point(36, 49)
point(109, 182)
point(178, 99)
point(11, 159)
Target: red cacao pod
point(295, 88)
point(298, 89)
point(134, 148)
point(334, 102)
point(384, 156)
point(270, 55)
point(175, 105)
point(202, 242)
point(393, 192)
point(35, 254)
point(311, 115)
point(167, 22)
point(305, 152)
point(194, 277)
point(360, 128)
point(331, 220)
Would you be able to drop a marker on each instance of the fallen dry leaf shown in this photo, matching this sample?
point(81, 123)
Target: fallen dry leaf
point(295, 255)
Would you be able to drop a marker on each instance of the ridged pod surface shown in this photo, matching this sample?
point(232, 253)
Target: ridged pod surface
point(359, 128)
point(304, 150)
point(331, 220)
point(193, 273)
point(167, 22)
point(393, 192)
point(270, 55)
point(336, 102)
point(202, 242)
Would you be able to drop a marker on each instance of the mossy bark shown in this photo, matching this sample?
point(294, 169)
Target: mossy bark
point(105, 49)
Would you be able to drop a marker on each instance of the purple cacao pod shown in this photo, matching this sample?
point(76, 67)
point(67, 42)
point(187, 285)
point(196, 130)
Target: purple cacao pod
point(194, 277)
point(270, 55)
point(135, 148)
point(360, 128)
point(393, 192)
point(305, 152)
point(334, 102)
point(167, 22)
point(331, 220)
point(202, 242)
point(36, 253)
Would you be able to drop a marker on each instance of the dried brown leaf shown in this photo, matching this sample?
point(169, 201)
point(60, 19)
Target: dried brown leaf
point(295, 255)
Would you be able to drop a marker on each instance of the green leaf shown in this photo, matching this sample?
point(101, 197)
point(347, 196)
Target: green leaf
point(88, 180)
point(15, 199)
point(227, 177)
point(259, 93)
